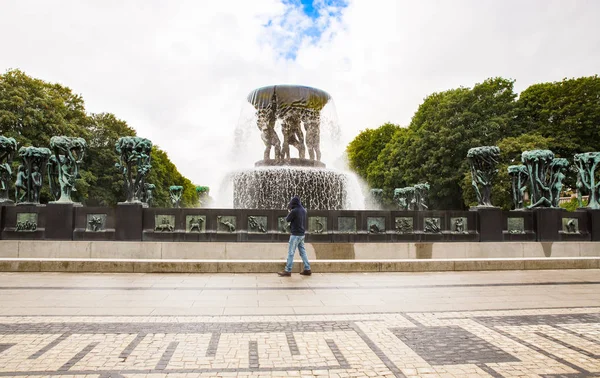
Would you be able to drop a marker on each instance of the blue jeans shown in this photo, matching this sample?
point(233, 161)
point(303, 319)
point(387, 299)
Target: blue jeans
point(296, 242)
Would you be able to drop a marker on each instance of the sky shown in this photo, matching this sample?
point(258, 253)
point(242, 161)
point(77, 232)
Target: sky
point(179, 71)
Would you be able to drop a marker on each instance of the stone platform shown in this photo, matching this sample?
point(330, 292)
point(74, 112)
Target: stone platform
point(165, 257)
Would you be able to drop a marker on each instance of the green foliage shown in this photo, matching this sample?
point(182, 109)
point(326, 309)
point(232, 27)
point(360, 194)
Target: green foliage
point(384, 172)
point(108, 185)
point(435, 145)
point(365, 148)
point(568, 111)
point(164, 174)
point(573, 204)
point(32, 111)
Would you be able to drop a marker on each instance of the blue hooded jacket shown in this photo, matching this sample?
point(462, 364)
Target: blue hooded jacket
point(297, 216)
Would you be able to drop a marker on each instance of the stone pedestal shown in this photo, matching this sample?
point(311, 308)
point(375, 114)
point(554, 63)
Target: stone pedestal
point(59, 221)
point(547, 223)
point(594, 223)
point(3, 205)
point(128, 221)
point(24, 222)
point(489, 223)
point(101, 228)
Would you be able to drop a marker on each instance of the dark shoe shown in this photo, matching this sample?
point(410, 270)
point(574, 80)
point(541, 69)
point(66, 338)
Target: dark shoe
point(284, 274)
point(306, 273)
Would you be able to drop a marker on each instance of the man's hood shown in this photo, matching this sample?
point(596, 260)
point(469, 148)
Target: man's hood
point(295, 202)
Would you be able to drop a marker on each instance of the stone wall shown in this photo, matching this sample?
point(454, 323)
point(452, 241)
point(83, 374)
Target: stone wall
point(132, 222)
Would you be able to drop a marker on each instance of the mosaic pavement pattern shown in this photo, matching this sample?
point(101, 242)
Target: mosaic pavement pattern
point(547, 343)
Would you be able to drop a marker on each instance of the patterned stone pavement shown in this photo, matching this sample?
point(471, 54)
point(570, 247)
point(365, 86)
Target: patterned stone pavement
point(545, 343)
point(478, 324)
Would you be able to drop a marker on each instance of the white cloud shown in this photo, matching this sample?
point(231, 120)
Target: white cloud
point(179, 71)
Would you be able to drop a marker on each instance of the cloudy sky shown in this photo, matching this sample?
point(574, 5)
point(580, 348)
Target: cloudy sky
point(178, 71)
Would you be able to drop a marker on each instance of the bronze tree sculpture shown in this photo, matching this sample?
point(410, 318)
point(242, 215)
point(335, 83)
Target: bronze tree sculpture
point(175, 193)
point(134, 164)
point(519, 176)
point(147, 193)
point(557, 168)
point(68, 153)
point(8, 147)
point(405, 198)
point(539, 169)
point(483, 161)
point(421, 191)
point(586, 164)
point(29, 177)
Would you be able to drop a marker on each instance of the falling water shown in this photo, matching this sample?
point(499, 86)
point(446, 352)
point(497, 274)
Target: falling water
point(272, 188)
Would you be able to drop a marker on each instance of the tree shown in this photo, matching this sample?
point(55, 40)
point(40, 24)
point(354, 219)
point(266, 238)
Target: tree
point(164, 174)
point(32, 111)
point(384, 172)
point(365, 148)
point(107, 185)
point(443, 129)
point(567, 111)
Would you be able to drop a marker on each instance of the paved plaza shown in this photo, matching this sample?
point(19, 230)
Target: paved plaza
point(474, 324)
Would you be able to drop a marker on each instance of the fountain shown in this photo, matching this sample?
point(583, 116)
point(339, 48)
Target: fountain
point(262, 193)
point(294, 112)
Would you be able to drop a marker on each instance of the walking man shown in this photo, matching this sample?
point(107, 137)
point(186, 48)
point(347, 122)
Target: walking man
point(297, 218)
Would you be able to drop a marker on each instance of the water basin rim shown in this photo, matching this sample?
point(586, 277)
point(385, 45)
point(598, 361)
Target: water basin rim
point(298, 96)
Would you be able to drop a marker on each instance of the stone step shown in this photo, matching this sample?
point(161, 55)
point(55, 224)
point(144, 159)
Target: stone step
point(66, 249)
point(271, 266)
